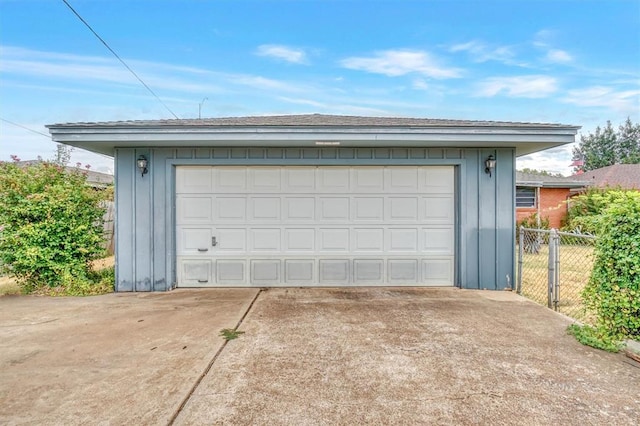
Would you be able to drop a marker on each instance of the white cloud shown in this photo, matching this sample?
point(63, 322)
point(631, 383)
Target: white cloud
point(557, 160)
point(624, 101)
point(542, 38)
point(285, 53)
point(74, 69)
point(420, 84)
point(526, 86)
point(542, 41)
point(559, 56)
point(481, 52)
point(394, 63)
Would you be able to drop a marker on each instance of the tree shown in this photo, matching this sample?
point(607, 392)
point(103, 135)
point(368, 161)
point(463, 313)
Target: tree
point(540, 172)
point(607, 146)
point(62, 155)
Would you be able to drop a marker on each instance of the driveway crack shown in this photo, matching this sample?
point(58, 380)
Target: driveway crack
point(210, 365)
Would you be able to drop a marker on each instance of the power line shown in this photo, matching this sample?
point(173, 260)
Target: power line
point(44, 134)
point(120, 59)
point(26, 128)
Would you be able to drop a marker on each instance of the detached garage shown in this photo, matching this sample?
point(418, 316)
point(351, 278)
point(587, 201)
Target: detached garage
point(314, 200)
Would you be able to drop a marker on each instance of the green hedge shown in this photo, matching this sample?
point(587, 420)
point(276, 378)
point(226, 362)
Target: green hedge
point(50, 227)
point(585, 210)
point(613, 291)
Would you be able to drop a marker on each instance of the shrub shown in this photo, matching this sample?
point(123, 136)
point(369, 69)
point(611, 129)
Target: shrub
point(532, 222)
point(585, 210)
point(51, 225)
point(613, 291)
point(533, 240)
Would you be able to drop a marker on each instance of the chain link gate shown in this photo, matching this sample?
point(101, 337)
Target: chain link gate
point(554, 267)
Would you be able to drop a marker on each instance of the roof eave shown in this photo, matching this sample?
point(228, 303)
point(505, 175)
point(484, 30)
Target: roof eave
point(105, 139)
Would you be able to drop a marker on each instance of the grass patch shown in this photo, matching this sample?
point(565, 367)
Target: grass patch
point(9, 287)
point(576, 263)
point(100, 280)
point(230, 334)
point(590, 336)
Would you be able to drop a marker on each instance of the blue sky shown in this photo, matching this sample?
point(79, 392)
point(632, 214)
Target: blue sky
point(572, 62)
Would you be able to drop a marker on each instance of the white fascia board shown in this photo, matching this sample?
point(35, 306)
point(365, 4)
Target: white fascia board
point(105, 139)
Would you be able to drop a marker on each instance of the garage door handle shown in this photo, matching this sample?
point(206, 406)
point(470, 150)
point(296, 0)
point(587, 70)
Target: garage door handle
point(204, 249)
point(203, 281)
point(214, 242)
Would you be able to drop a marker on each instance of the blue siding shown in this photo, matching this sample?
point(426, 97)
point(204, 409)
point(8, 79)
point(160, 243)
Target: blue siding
point(125, 224)
point(145, 230)
point(505, 218)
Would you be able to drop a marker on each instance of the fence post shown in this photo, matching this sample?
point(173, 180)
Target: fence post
point(520, 259)
point(551, 273)
point(556, 289)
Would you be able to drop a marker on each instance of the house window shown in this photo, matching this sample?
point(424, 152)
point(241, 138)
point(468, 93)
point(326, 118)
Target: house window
point(525, 197)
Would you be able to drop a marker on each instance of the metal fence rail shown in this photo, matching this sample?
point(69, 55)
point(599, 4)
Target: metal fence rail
point(554, 267)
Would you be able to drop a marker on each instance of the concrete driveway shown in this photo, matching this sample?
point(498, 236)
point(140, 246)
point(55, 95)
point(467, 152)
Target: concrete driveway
point(308, 356)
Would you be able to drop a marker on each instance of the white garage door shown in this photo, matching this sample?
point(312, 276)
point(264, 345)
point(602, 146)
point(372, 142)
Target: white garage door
point(315, 226)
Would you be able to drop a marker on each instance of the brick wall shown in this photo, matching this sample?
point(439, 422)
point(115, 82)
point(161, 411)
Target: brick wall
point(552, 205)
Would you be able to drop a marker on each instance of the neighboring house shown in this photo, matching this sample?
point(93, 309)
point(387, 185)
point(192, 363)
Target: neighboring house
point(545, 195)
point(314, 200)
point(625, 176)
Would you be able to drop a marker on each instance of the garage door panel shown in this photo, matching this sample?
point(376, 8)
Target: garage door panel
point(334, 209)
point(299, 271)
point(196, 273)
point(265, 179)
point(231, 272)
point(401, 180)
point(438, 209)
point(194, 180)
point(230, 180)
point(367, 179)
point(438, 241)
point(403, 271)
point(299, 240)
point(299, 209)
point(194, 240)
point(264, 240)
point(368, 209)
point(193, 209)
point(368, 240)
point(333, 179)
point(437, 271)
point(299, 180)
point(402, 240)
point(264, 209)
point(265, 271)
point(436, 180)
point(315, 225)
point(231, 240)
point(368, 271)
point(334, 271)
point(402, 209)
point(333, 240)
point(230, 209)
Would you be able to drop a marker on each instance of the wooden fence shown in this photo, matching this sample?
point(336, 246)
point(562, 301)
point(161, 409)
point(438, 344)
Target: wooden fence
point(109, 228)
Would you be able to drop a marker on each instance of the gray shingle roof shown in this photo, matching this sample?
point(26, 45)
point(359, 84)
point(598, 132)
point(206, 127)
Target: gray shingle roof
point(626, 176)
point(311, 120)
point(535, 179)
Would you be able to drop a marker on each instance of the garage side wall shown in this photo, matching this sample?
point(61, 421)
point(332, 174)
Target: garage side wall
point(145, 215)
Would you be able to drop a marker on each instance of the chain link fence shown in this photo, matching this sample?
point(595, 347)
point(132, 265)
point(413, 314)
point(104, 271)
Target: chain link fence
point(554, 267)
